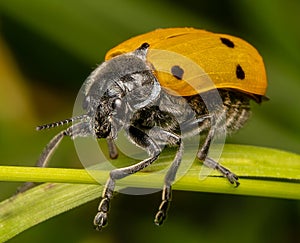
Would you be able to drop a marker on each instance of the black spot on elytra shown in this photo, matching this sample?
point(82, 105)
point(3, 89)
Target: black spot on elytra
point(227, 42)
point(177, 72)
point(239, 72)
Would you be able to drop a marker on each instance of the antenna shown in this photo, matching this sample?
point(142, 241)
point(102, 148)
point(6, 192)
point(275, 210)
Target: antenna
point(60, 123)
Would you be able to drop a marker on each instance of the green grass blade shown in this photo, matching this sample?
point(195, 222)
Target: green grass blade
point(263, 172)
point(23, 211)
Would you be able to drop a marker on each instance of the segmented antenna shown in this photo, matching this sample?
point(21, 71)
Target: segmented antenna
point(60, 123)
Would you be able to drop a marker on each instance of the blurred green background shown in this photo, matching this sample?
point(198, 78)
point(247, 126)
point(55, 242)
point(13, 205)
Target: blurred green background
point(49, 47)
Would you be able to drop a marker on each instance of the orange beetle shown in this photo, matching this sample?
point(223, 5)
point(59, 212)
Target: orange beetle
point(154, 84)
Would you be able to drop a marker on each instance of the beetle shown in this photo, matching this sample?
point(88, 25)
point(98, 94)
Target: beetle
point(129, 91)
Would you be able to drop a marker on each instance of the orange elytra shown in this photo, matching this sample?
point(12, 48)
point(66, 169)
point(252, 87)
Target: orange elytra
point(229, 61)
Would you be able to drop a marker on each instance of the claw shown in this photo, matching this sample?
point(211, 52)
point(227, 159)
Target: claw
point(159, 218)
point(100, 220)
point(233, 178)
point(162, 212)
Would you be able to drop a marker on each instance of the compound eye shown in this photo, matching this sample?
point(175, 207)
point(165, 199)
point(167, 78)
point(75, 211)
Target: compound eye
point(116, 104)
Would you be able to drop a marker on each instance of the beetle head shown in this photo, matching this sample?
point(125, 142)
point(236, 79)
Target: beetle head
point(117, 88)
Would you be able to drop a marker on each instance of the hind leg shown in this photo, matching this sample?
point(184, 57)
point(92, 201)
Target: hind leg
point(211, 163)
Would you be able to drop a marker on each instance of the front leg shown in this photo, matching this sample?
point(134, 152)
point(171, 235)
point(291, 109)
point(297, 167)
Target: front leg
point(78, 129)
point(142, 140)
point(45, 157)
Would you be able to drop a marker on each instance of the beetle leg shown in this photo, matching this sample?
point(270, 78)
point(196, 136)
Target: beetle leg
point(209, 162)
point(144, 141)
point(112, 149)
point(203, 151)
point(194, 122)
point(167, 190)
point(43, 161)
point(233, 178)
point(44, 158)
